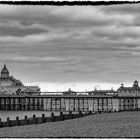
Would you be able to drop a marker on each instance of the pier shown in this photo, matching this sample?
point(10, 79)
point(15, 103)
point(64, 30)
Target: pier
point(14, 95)
point(59, 102)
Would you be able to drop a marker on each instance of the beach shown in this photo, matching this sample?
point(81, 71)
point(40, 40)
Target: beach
point(106, 125)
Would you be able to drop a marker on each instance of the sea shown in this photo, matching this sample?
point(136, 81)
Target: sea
point(21, 114)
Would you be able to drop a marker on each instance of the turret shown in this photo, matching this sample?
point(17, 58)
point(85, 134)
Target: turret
point(136, 84)
point(4, 72)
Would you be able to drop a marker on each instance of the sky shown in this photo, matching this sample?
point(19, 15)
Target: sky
point(77, 47)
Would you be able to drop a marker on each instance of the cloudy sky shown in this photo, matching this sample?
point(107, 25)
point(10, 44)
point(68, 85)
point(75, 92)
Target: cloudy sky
point(81, 47)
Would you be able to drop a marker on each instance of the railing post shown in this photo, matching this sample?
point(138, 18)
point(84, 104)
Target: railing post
point(17, 120)
point(80, 114)
point(43, 118)
point(8, 122)
point(34, 119)
point(71, 115)
point(62, 116)
point(90, 113)
point(25, 120)
point(52, 117)
point(0, 123)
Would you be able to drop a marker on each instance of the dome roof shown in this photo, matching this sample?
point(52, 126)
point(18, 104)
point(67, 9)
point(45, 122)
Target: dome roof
point(5, 70)
point(135, 81)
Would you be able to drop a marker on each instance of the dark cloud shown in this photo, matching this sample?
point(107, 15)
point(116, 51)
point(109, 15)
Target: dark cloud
point(15, 31)
point(71, 44)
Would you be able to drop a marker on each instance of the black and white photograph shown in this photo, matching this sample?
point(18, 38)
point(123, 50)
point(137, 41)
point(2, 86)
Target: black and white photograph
point(69, 70)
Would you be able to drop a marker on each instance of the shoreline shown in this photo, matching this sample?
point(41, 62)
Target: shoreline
point(108, 125)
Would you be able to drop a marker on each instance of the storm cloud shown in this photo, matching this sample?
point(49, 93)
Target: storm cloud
point(77, 45)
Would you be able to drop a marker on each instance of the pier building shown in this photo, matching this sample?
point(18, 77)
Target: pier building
point(69, 92)
point(11, 85)
point(129, 97)
point(129, 91)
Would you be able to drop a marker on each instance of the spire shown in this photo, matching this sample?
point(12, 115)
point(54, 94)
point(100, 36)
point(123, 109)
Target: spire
point(95, 89)
point(122, 85)
point(69, 89)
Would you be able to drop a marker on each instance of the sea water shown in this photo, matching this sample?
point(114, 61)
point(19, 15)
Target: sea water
point(21, 114)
